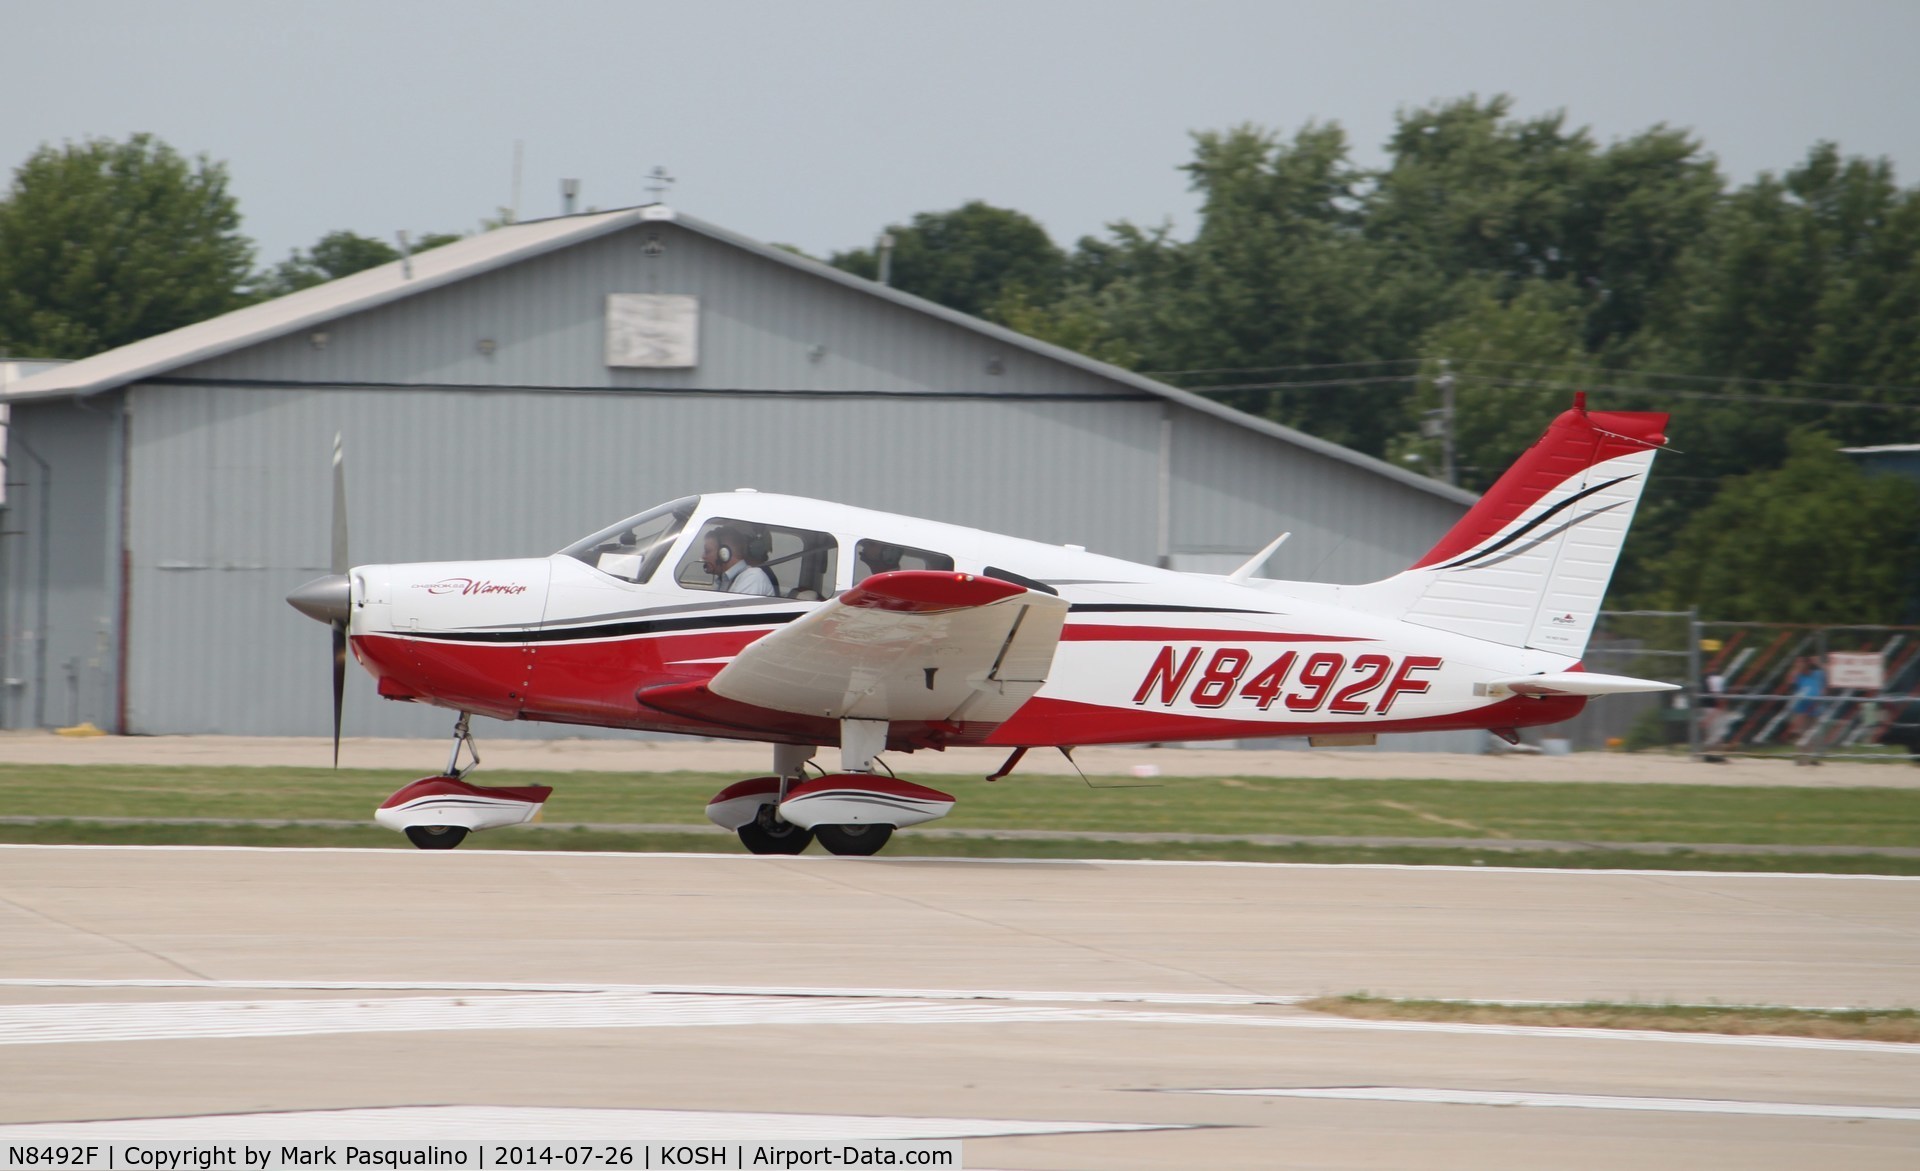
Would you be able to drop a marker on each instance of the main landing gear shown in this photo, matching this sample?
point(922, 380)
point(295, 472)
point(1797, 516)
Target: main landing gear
point(852, 812)
point(438, 812)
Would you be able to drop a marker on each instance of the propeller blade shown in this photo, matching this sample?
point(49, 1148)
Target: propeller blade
point(339, 683)
point(340, 562)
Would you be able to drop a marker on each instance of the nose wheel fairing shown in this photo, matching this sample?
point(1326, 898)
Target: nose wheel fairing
point(449, 801)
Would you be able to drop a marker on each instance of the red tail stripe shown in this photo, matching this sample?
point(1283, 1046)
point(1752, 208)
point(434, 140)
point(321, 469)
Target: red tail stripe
point(1575, 441)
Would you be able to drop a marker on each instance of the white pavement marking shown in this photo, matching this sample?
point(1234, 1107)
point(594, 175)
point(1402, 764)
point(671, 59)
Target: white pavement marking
point(1583, 1102)
point(452, 857)
point(521, 1123)
point(1188, 998)
point(53, 1024)
point(50, 1024)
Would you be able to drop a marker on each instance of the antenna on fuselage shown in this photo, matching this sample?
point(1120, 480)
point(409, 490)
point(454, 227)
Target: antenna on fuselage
point(1259, 559)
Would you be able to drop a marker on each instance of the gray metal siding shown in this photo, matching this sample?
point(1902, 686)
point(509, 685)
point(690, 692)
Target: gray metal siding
point(1234, 491)
point(805, 385)
point(759, 326)
point(81, 450)
point(231, 505)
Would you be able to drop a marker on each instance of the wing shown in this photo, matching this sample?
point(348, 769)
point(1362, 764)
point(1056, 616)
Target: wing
point(909, 645)
point(913, 646)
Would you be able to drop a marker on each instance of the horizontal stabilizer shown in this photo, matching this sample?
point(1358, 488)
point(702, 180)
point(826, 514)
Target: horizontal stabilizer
point(1569, 683)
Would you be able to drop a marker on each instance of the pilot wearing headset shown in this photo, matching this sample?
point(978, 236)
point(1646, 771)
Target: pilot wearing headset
point(723, 554)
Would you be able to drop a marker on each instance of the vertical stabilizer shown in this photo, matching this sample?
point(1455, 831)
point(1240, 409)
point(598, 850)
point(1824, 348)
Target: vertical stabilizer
point(1528, 565)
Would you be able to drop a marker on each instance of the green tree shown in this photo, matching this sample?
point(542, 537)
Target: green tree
point(1869, 316)
point(966, 259)
point(1749, 301)
point(104, 243)
point(1514, 363)
point(1078, 321)
point(1280, 275)
point(1478, 194)
point(335, 255)
point(1473, 193)
point(1813, 540)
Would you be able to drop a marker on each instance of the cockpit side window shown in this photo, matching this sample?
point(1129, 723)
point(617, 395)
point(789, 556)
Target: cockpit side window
point(746, 557)
point(871, 557)
point(633, 549)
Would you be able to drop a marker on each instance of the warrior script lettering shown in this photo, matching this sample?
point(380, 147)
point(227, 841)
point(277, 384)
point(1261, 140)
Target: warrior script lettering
point(1371, 681)
point(468, 585)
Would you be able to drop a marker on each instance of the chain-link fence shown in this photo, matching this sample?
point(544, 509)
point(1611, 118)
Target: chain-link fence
point(1811, 691)
point(1646, 644)
point(1754, 688)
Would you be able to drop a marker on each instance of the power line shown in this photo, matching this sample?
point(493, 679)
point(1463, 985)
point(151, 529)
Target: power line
point(1276, 369)
point(1580, 372)
point(1703, 395)
point(1315, 384)
point(1677, 377)
point(1562, 385)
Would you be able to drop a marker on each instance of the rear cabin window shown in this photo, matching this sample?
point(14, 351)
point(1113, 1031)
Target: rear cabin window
point(742, 557)
point(871, 557)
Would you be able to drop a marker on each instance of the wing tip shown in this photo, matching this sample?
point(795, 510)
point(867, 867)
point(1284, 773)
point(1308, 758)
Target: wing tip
point(926, 591)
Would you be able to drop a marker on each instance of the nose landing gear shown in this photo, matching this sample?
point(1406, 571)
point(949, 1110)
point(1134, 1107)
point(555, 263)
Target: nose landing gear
point(438, 812)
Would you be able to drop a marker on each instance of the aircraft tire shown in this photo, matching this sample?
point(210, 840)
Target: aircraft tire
point(766, 835)
point(857, 841)
point(436, 837)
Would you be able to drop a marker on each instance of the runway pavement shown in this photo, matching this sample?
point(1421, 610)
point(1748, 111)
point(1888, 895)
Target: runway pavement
point(1043, 1011)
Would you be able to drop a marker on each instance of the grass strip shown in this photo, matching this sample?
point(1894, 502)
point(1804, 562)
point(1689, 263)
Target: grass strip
point(1843, 1024)
point(908, 844)
point(1315, 807)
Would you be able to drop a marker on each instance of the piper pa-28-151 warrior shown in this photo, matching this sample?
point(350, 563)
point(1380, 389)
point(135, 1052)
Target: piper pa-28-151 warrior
point(753, 616)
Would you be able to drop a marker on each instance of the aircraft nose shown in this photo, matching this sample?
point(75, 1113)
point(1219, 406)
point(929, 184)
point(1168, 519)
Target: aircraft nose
point(324, 599)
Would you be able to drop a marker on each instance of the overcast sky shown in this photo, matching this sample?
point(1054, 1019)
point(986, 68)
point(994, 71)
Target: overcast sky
point(816, 122)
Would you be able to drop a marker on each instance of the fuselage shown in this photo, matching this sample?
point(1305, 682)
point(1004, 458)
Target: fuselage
point(1146, 654)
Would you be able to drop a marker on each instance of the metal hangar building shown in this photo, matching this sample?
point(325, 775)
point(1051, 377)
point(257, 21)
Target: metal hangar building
point(508, 393)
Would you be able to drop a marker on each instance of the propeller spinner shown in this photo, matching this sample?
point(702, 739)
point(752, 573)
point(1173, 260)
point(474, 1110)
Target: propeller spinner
point(327, 599)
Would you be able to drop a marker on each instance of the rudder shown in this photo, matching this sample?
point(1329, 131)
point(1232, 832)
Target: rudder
point(1529, 563)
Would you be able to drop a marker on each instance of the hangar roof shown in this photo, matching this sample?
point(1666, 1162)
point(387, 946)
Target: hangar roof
point(438, 267)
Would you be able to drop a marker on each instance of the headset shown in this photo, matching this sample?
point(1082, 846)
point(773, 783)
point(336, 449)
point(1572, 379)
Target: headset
point(758, 544)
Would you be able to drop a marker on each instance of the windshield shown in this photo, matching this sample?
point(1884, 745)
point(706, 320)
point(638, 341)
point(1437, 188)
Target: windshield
point(634, 548)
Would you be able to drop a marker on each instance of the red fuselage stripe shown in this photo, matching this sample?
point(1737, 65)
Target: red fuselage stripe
point(1089, 632)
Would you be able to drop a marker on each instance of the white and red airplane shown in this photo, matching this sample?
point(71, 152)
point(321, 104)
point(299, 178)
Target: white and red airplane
point(801, 623)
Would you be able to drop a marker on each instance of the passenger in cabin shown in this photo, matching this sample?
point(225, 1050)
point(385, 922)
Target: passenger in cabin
point(723, 555)
point(878, 557)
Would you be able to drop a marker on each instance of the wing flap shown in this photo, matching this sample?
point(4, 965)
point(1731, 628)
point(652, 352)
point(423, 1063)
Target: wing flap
point(913, 645)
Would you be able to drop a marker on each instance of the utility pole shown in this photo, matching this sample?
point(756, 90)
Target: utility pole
point(1439, 424)
point(660, 182)
point(885, 248)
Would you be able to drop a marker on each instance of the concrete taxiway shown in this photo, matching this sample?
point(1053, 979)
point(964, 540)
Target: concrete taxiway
point(1055, 1015)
